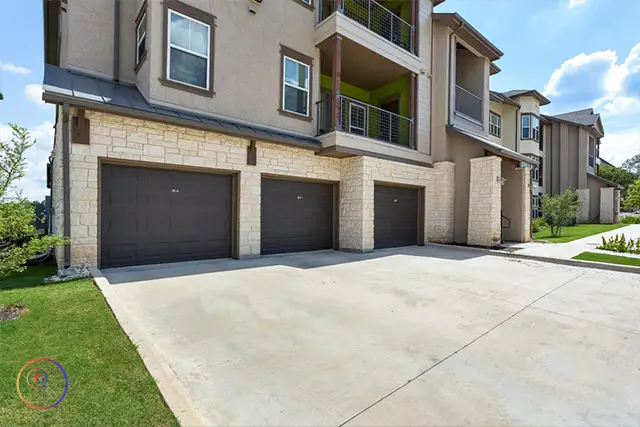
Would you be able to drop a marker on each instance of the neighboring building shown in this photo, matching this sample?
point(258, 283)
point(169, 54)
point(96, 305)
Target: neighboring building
point(571, 161)
point(198, 129)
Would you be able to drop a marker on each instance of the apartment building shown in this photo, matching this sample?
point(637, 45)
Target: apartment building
point(196, 129)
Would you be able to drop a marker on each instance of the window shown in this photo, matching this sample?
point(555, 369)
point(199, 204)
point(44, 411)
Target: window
point(535, 173)
point(296, 84)
point(306, 3)
point(495, 124)
point(188, 50)
point(530, 127)
point(141, 36)
point(592, 151)
point(535, 207)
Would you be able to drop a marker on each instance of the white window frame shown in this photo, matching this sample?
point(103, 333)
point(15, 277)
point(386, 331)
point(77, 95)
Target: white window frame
point(364, 114)
point(140, 39)
point(309, 2)
point(591, 158)
point(535, 206)
point(284, 84)
point(523, 127)
point(535, 129)
point(535, 174)
point(495, 129)
point(190, 52)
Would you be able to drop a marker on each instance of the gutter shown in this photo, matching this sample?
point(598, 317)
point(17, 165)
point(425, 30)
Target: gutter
point(66, 180)
point(116, 41)
point(517, 125)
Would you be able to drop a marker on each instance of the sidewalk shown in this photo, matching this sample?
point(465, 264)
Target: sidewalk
point(571, 249)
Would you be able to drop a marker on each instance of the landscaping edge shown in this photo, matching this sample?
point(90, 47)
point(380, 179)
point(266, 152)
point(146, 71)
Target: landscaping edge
point(561, 261)
point(172, 390)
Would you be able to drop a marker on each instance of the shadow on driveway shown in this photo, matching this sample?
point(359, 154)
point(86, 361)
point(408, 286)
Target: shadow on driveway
point(306, 260)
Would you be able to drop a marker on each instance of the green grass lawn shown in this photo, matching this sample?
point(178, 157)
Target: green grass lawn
point(611, 259)
point(72, 324)
point(575, 232)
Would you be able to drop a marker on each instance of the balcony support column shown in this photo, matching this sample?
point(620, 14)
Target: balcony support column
point(336, 72)
point(412, 110)
point(413, 15)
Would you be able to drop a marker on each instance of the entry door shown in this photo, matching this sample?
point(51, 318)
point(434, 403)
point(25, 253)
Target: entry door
point(395, 221)
point(151, 216)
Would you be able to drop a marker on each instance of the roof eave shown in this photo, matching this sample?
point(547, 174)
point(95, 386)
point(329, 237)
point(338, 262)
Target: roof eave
point(455, 21)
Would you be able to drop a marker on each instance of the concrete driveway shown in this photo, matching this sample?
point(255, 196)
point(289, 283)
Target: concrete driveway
point(414, 336)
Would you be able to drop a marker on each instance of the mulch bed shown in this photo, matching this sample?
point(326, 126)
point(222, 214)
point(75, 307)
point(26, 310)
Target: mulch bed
point(12, 311)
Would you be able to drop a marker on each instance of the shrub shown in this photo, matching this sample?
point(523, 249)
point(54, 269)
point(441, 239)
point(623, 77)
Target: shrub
point(538, 224)
point(560, 210)
point(630, 220)
point(619, 243)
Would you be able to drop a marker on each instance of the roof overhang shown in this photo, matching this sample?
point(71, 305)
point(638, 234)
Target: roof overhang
point(469, 34)
point(543, 100)
point(494, 69)
point(62, 86)
point(498, 97)
point(437, 2)
point(606, 181)
point(494, 147)
point(592, 129)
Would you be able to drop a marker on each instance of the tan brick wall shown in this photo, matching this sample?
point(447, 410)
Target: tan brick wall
point(123, 138)
point(582, 215)
point(441, 197)
point(485, 197)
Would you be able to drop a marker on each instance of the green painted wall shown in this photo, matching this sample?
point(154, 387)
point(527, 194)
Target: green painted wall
point(346, 89)
point(399, 86)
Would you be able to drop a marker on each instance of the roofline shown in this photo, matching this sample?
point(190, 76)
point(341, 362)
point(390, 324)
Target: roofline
point(494, 69)
point(588, 127)
point(141, 114)
point(455, 21)
point(437, 2)
point(533, 92)
point(611, 183)
point(498, 97)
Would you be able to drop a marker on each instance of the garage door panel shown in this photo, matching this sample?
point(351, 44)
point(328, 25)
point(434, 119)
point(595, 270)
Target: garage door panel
point(163, 216)
point(395, 216)
point(296, 216)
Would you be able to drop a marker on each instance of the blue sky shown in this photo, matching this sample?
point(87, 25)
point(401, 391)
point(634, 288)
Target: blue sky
point(580, 53)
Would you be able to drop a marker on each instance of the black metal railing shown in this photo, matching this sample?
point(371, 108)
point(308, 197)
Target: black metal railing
point(363, 119)
point(468, 104)
point(375, 17)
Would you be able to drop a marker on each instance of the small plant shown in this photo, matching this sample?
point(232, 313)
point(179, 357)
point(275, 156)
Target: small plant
point(538, 224)
point(630, 220)
point(619, 243)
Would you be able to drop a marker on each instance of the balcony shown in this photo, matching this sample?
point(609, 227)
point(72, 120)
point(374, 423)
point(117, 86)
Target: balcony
point(386, 23)
point(468, 104)
point(470, 82)
point(359, 118)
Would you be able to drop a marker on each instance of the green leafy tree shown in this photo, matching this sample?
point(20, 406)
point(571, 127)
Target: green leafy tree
point(620, 176)
point(19, 239)
point(632, 200)
point(559, 210)
point(633, 165)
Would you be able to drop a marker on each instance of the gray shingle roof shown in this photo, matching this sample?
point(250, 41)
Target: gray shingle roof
point(584, 117)
point(63, 85)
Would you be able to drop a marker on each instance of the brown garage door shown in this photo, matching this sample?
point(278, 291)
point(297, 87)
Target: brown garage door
point(395, 216)
point(152, 216)
point(296, 216)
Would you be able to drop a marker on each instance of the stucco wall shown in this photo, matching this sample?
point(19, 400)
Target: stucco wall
point(516, 202)
point(122, 138)
point(594, 186)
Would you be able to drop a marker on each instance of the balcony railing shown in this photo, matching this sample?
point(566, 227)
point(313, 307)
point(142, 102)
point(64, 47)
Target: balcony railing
point(367, 120)
point(468, 104)
point(375, 17)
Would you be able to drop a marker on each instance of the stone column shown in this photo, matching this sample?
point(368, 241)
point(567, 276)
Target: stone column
point(516, 202)
point(607, 205)
point(485, 199)
point(356, 206)
point(440, 203)
point(249, 190)
point(616, 207)
point(582, 216)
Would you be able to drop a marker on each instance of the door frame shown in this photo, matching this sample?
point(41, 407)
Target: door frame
point(235, 194)
point(336, 201)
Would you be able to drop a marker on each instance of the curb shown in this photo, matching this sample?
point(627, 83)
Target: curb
point(561, 261)
point(173, 392)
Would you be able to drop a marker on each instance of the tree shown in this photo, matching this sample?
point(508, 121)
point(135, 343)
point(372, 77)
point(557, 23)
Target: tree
point(618, 175)
point(560, 210)
point(633, 196)
point(633, 165)
point(19, 240)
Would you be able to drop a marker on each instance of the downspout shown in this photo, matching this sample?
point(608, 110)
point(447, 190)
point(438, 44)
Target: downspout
point(517, 125)
point(451, 70)
point(66, 182)
point(116, 41)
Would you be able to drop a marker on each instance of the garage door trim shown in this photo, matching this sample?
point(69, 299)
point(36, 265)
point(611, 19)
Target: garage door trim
point(420, 237)
point(235, 194)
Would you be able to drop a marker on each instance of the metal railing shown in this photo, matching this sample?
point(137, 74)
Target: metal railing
point(375, 17)
point(468, 104)
point(363, 119)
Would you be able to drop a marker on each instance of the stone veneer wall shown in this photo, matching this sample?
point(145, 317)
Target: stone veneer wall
point(123, 138)
point(607, 208)
point(440, 209)
point(582, 215)
point(485, 202)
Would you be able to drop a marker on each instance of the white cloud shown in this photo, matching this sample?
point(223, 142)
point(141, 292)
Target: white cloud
point(34, 183)
point(12, 68)
point(616, 147)
point(575, 3)
point(33, 92)
point(570, 66)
